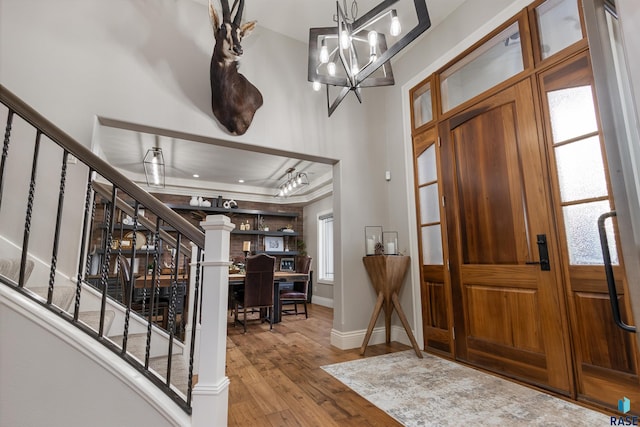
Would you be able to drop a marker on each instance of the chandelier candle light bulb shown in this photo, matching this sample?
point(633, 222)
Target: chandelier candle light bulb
point(396, 28)
point(324, 53)
point(331, 69)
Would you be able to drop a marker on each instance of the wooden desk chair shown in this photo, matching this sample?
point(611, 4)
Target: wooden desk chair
point(299, 292)
point(257, 292)
point(160, 313)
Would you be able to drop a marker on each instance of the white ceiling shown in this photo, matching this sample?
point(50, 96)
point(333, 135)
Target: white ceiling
point(219, 165)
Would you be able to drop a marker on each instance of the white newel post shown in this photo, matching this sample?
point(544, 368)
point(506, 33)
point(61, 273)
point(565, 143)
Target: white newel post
point(211, 393)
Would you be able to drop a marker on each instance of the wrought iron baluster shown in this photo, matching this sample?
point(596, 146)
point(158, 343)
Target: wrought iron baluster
point(194, 323)
point(27, 222)
point(104, 278)
point(91, 226)
point(56, 235)
point(5, 150)
point(86, 224)
point(172, 304)
point(128, 297)
point(155, 289)
point(118, 292)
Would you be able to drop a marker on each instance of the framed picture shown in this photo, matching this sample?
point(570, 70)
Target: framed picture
point(287, 264)
point(273, 244)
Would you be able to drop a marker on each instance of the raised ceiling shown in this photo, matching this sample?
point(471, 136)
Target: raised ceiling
point(219, 165)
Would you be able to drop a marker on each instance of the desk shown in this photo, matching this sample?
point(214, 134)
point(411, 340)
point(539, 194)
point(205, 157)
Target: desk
point(237, 279)
point(164, 281)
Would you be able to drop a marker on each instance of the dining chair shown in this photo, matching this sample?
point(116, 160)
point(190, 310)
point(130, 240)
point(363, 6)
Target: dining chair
point(299, 293)
point(257, 292)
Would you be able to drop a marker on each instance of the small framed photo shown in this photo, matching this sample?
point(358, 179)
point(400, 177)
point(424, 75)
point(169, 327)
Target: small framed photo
point(273, 244)
point(287, 264)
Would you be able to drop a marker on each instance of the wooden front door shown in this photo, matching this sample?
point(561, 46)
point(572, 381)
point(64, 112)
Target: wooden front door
point(508, 307)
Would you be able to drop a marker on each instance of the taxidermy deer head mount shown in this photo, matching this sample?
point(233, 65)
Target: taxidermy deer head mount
point(234, 100)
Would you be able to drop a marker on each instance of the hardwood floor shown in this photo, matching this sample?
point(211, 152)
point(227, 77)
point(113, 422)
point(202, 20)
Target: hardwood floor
point(276, 379)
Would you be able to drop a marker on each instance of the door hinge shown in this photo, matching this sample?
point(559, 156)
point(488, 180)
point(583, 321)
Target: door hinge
point(448, 269)
point(439, 142)
point(443, 201)
point(453, 333)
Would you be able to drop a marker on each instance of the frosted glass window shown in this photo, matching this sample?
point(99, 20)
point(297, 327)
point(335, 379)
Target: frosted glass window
point(427, 166)
point(572, 113)
point(422, 107)
point(490, 64)
point(581, 170)
point(583, 240)
point(429, 209)
point(558, 25)
point(432, 245)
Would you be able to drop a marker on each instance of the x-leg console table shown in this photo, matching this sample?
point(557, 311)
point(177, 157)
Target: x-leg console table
point(386, 273)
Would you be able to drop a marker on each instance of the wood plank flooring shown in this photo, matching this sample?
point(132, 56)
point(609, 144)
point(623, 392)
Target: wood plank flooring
point(276, 379)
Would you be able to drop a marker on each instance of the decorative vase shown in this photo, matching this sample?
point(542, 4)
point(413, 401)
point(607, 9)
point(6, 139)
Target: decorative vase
point(193, 201)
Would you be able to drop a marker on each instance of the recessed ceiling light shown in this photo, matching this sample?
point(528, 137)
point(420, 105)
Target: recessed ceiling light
point(241, 181)
point(195, 175)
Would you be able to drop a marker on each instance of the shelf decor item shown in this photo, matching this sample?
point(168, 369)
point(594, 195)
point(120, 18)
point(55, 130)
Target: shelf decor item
point(273, 244)
point(372, 236)
point(390, 242)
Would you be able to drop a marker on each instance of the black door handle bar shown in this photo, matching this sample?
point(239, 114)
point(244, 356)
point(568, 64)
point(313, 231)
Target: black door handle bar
point(608, 269)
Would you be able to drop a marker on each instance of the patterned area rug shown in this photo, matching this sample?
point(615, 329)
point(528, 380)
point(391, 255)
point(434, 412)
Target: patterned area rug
point(437, 392)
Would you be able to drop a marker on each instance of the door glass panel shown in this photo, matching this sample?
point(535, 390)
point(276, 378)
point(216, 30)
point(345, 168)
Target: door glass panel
point(431, 245)
point(422, 107)
point(583, 240)
point(429, 209)
point(572, 113)
point(558, 25)
point(580, 170)
point(492, 63)
point(427, 166)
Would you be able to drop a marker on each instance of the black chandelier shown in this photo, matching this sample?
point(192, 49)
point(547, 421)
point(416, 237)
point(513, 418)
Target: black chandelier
point(154, 167)
point(354, 54)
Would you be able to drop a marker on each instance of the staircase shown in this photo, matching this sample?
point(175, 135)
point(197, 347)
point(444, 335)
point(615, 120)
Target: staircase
point(50, 186)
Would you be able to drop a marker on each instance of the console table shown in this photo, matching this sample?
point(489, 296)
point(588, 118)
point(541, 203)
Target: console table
point(386, 273)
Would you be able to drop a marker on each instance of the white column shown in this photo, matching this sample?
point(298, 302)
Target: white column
point(211, 393)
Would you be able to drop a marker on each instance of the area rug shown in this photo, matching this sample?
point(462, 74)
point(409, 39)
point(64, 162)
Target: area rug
point(437, 392)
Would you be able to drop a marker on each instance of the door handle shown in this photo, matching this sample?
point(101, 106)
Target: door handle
point(608, 269)
point(543, 253)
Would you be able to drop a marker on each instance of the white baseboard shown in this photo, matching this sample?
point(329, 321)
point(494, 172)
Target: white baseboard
point(325, 302)
point(354, 339)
